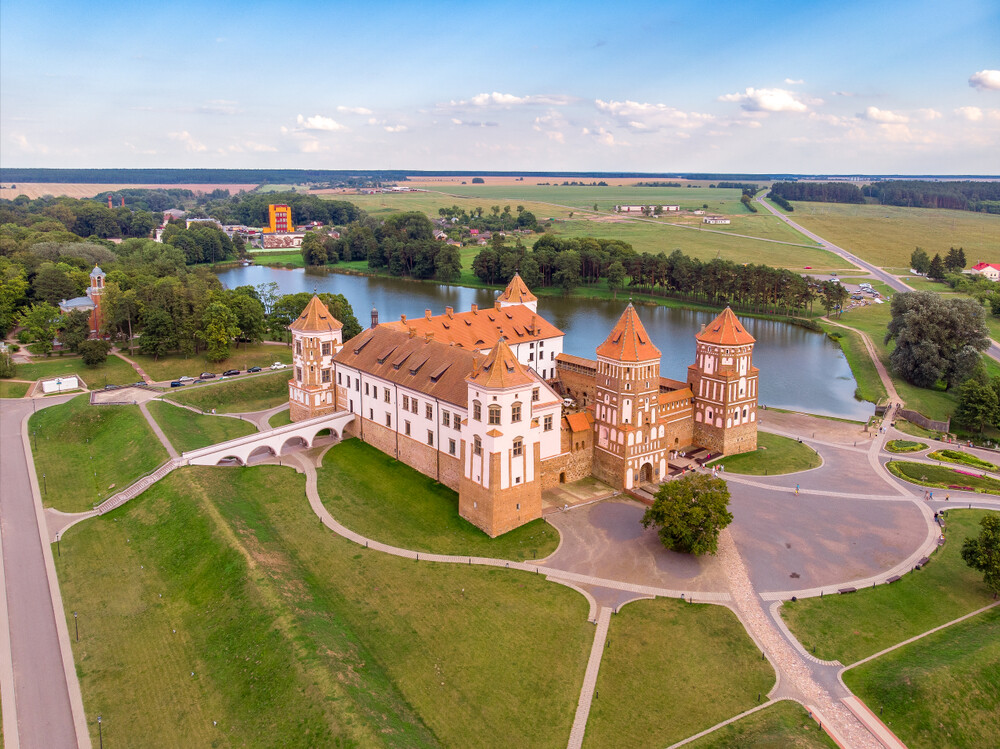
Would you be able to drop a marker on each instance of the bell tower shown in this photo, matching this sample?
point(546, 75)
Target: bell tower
point(723, 380)
point(95, 292)
point(316, 337)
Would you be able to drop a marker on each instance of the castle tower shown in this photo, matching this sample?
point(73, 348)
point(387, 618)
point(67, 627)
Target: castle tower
point(517, 292)
point(630, 448)
point(316, 337)
point(501, 485)
point(95, 292)
point(723, 380)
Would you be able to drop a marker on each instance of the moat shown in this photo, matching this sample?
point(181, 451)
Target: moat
point(800, 369)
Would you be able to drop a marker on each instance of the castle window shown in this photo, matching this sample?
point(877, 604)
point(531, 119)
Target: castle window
point(326, 349)
point(375, 390)
point(406, 428)
point(388, 420)
point(298, 348)
point(326, 375)
point(366, 388)
point(531, 356)
point(744, 414)
point(451, 447)
point(477, 445)
point(477, 411)
point(340, 378)
point(298, 374)
point(534, 395)
point(430, 438)
point(387, 396)
point(406, 403)
point(429, 411)
point(494, 417)
point(547, 423)
point(518, 447)
point(413, 406)
point(515, 412)
point(446, 418)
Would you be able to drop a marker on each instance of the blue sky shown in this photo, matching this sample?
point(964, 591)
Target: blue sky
point(838, 87)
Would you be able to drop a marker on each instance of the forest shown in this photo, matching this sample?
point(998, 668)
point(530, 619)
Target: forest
point(821, 192)
point(962, 196)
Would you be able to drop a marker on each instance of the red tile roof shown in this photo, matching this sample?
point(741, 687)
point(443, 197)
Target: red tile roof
point(580, 422)
point(316, 318)
point(629, 341)
point(517, 292)
point(501, 369)
point(480, 329)
point(725, 330)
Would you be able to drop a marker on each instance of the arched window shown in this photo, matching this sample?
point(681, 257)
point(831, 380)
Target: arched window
point(477, 445)
point(477, 411)
point(515, 412)
point(494, 415)
point(744, 413)
point(518, 446)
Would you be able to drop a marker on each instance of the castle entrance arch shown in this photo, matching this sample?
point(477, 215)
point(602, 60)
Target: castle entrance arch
point(646, 473)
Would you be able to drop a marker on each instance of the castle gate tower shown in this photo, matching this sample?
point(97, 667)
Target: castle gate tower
point(316, 337)
point(630, 448)
point(724, 383)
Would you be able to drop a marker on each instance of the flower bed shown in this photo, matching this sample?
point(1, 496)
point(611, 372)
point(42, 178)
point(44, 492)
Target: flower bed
point(961, 458)
point(905, 446)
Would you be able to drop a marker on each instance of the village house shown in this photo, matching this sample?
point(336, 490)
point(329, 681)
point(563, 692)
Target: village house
point(716, 220)
point(987, 270)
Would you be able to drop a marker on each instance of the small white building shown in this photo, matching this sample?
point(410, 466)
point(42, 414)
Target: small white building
point(716, 220)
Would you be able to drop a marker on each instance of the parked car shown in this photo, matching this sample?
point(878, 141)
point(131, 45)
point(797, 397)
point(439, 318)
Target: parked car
point(279, 365)
point(230, 372)
point(207, 375)
point(253, 369)
point(176, 384)
point(185, 378)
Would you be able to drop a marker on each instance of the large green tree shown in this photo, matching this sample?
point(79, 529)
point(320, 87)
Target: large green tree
point(159, 336)
point(218, 330)
point(448, 264)
point(983, 553)
point(937, 338)
point(689, 513)
point(74, 329)
point(919, 260)
point(41, 320)
point(313, 249)
point(94, 352)
point(977, 405)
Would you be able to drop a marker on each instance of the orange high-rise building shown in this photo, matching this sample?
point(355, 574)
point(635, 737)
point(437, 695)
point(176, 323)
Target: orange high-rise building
point(280, 219)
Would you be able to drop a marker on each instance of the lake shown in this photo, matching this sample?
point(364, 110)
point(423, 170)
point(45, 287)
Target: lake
point(799, 369)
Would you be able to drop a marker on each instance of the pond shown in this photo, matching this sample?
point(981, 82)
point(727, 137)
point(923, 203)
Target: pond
point(799, 369)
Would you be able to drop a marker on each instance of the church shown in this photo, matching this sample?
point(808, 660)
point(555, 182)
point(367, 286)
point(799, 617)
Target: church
point(487, 403)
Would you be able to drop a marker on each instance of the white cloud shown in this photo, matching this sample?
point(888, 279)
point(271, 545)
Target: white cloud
point(972, 114)
point(497, 99)
point(884, 116)
point(319, 122)
point(396, 128)
point(219, 106)
point(769, 100)
point(188, 140)
point(929, 114)
point(27, 146)
point(354, 110)
point(793, 82)
point(258, 147)
point(473, 123)
point(552, 125)
point(985, 80)
point(312, 146)
point(646, 116)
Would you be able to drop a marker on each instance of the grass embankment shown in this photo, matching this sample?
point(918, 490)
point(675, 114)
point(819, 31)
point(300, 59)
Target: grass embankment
point(176, 365)
point(941, 477)
point(250, 393)
point(905, 446)
point(915, 430)
point(381, 498)
point(88, 453)
point(943, 690)
point(114, 371)
point(851, 627)
point(187, 430)
point(281, 418)
point(784, 724)
point(964, 459)
point(10, 389)
point(869, 384)
point(774, 455)
point(216, 611)
point(673, 654)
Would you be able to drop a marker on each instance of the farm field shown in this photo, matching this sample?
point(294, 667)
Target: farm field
point(215, 610)
point(849, 628)
point(709, 653)
point(88, 190)
point(887, 235)
point(87, 453)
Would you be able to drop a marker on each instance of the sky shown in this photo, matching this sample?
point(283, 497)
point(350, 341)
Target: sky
point(811, 87)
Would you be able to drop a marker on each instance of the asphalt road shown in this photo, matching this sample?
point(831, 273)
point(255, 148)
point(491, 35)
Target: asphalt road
point(41, 694)
point(889, 280)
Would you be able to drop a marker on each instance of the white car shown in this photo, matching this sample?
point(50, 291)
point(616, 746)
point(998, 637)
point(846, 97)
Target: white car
point(278, 365)
point(185, 378)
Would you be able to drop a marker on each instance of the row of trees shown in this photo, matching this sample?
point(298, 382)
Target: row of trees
point(496, 219)
point(823, 192)
point(963, 196)
point(83, 218)
point(937, 267)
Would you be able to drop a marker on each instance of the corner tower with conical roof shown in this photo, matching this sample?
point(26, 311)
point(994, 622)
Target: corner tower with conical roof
point(517, 292)
point(630, 448)
point(512, 424)
point(316, 336)
point(723, 381)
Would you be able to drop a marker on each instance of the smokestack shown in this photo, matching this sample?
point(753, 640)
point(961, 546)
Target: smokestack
point(109, 203)
point(374, 317)
point(123, 201)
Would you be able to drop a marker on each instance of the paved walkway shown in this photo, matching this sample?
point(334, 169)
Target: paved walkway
point(590, 680)
point(139, 370)
point(158, 432)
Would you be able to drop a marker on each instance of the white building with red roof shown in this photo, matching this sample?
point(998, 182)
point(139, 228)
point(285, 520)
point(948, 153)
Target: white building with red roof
point(987, 270)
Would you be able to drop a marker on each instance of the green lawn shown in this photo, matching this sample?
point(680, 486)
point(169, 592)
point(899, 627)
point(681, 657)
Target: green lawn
point(10, 389)
point(783, 724)
point(279, 259)
point(386, 500)
point(905, 446)
point(114, 371)
point(963, 459)
point(940, 476)
point(176, 365)
point(249, 393)
point(915, 430)
point(943, 690)
point(215, 610)
point(671, 656)
point(83, 450)
point(870, 387)
point(187, 430)
point(281, 418)
point(851, 627)
point(774, 455)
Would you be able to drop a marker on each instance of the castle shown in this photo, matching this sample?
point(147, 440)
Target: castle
point(476, 400)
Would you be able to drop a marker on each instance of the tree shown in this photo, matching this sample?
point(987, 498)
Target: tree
point(7, 366)
point(689, 513)
point(159, 335)
point(219, 328)
point(615, 275)
point(568, 270)
point(977, 405)
point(936, 338)
point(52, 284)
point(75, 329)
point(41, 321)
point(313, 249)
point(249, 315)
point(919, 261)
point(95, 352)
point(953, 262)
point(983, 553)
point(448, 264)
point(936, 269)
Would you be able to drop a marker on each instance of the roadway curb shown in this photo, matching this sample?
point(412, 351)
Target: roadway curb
point(7, 702)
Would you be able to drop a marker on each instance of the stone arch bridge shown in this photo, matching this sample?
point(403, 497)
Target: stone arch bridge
point(272, 443)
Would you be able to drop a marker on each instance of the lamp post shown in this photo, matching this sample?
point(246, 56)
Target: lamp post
point(100, 733)
point(76, 623)
point(45, 485)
